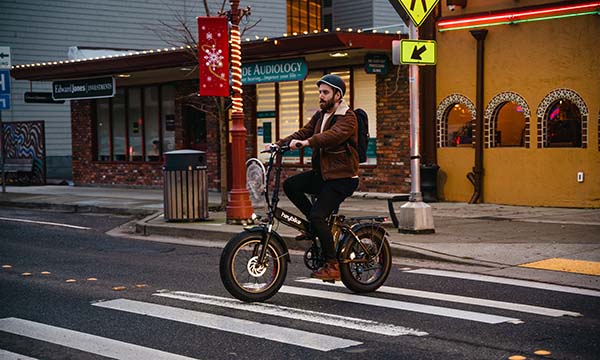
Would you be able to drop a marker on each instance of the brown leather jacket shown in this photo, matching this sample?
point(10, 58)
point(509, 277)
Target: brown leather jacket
point(336, 145)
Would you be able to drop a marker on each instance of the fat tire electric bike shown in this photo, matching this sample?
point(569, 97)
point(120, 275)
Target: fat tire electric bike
point(254, 263)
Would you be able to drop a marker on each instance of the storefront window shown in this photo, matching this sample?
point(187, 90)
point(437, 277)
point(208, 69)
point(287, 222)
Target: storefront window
point(118, 125)
point(135, 124)
point(510, 126)
point(460, 126)
point(129, 124)
point(564, 124)
point(167, 111)
point(366, 98)
point(103, 129)
point(151, 123)
point(266, 112)
point(311, 103)
point(289, 113)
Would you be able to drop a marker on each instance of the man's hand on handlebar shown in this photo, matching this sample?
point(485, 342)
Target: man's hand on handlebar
point(298, 144)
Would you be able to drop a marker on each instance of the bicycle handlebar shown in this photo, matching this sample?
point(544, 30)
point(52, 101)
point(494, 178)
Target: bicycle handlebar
point(281, 149)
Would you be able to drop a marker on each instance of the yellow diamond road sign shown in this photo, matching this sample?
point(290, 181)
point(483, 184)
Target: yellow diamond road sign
point(419, 52)
point(418, 10)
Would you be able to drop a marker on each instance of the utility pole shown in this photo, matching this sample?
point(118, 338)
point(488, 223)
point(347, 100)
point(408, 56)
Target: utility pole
point(239, 207)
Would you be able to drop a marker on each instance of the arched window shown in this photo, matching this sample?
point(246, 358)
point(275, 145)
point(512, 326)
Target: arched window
point(456, 122)
point(562, 120)
point(460, 126)
point(507, 121)
point(510, 125)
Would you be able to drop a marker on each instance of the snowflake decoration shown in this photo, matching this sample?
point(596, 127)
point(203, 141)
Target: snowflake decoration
point(213, 58)
point(209, 36)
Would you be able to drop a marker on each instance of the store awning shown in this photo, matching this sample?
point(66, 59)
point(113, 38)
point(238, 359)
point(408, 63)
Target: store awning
point(272, 48)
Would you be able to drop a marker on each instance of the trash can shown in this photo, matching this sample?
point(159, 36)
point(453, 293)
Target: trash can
point(185, 185)
point(429, 182)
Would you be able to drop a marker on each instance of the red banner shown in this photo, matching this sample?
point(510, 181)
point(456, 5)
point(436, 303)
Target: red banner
point(213, 56)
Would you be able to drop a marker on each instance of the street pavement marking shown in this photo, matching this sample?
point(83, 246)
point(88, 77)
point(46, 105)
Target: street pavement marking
point(45, 223)
point(462, 300)
point(297, 314)
point(506, 281)
point(400, 305)
point(566, 265)
point(238, 326)
point(85, 342)
point(7, 355)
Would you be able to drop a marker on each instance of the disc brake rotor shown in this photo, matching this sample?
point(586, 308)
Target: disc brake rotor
point(254, 268)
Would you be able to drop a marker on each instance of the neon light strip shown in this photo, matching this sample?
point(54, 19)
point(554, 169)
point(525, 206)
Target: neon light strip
point(518, 21)
point(509, 18)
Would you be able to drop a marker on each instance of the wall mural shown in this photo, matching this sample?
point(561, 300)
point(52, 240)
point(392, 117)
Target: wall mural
point(25, 140)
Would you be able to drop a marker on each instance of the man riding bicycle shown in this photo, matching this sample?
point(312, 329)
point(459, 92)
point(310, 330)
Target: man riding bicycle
point(332, 135)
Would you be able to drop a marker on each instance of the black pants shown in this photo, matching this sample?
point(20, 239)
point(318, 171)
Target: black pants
point(330, 194)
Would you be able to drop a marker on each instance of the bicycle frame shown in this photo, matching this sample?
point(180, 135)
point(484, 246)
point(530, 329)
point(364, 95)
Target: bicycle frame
point(273, 211)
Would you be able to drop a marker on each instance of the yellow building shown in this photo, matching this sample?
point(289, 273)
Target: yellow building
point(529, 72)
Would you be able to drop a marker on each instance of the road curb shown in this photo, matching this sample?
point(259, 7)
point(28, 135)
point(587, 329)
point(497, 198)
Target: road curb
point(143, 227)
point(75, 208)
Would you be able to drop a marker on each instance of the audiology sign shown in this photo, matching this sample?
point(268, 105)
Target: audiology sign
point(76, 89)
point(274, 71)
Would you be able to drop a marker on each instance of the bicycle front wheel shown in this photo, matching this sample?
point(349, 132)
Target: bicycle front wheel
point(242, 274)
point(367, 260)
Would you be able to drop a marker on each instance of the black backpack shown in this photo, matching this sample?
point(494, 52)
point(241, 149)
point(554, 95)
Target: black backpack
point(363, 134)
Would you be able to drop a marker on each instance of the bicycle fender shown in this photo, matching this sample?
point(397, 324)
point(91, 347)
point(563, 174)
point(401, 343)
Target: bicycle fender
point(344, 244)
point(274, 237)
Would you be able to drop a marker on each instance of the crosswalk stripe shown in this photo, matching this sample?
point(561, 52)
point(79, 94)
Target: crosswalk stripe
point(85, 342)
point(462, 300)
point(7, 355)
point(400, 305)
point(506, 281)
point(238, 326)
point(294, 313)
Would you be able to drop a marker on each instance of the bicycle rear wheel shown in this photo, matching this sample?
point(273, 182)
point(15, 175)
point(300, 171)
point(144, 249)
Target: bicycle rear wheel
point(367, 260)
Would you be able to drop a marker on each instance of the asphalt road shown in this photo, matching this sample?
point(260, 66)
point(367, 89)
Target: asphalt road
point(89, 295)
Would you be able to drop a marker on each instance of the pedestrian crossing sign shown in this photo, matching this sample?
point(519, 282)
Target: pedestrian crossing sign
point(417, 10)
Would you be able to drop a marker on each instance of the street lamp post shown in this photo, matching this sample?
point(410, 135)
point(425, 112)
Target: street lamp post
point(239, 207)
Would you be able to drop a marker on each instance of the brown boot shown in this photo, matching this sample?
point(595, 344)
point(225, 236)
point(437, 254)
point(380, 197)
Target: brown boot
point(329, 272)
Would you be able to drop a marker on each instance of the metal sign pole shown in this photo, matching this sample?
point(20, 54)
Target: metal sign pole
point(415, 215)
point(415, 116)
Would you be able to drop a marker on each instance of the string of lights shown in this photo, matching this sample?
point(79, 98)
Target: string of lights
point(257, 38)
point(236, 69)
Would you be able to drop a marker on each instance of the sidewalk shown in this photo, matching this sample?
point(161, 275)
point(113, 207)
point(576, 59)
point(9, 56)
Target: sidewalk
point(485, 238)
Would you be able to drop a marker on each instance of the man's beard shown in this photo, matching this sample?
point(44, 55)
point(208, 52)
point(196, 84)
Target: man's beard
point(327, 105)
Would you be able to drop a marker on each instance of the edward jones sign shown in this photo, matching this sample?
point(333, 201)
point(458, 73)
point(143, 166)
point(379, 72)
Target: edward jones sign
point(274, 71)
point(83, 88)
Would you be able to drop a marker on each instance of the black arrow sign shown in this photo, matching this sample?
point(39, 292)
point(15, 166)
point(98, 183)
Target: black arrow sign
point(416, 54)
point(3, 55)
